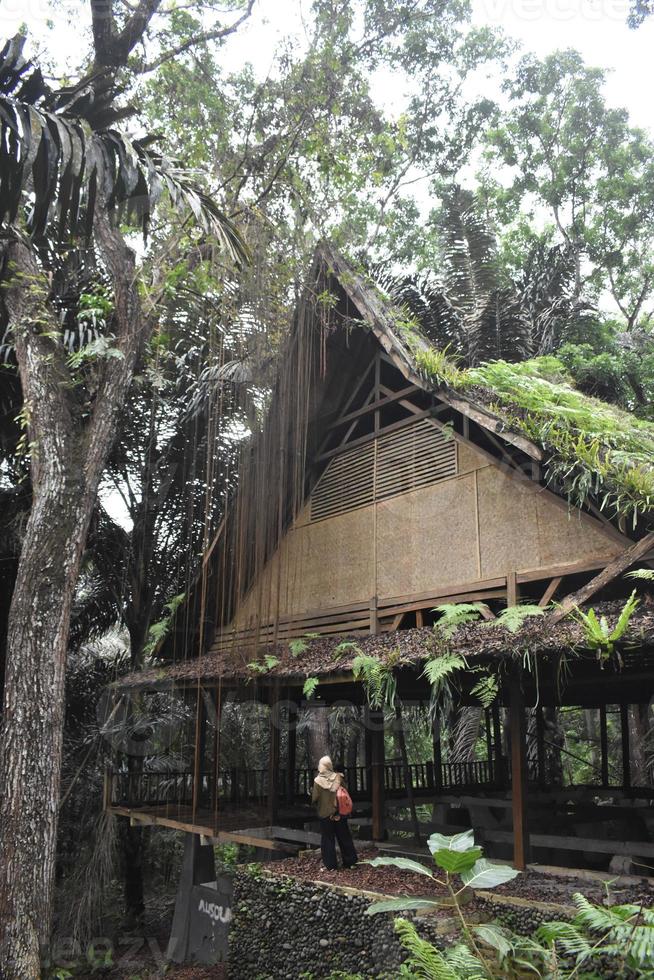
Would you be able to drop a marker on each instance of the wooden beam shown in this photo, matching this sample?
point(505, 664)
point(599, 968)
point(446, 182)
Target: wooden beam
point(548, 594)
point(518, 772)
point(614, 568)
point(380, 403)
point(395, 625)
point(197, 749)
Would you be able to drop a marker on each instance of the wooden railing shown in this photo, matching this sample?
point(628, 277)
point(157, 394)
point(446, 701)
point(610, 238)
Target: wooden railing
point(238, 785)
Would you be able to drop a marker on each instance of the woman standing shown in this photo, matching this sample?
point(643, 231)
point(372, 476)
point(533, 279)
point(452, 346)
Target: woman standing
point(333, 825)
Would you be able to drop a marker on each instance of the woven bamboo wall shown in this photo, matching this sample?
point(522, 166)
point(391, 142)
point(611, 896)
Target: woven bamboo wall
point(475, 525)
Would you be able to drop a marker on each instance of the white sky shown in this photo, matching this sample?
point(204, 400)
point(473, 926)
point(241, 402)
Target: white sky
point(597, 28)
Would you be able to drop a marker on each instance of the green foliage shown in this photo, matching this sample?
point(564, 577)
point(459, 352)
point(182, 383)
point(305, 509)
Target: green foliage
point(377, 679)
point(643, 574)
point(428, 962)
point(625, 932)
point(297, 647)
point(309, 687)
point(454, 855)
point(262, 667)
point(598, 635)
point(158, 631)
point(344, 647)
point(455, 614)
point(513, 617)
point(486, 690)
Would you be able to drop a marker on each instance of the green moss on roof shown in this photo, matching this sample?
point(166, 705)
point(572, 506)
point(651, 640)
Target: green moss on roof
point(593, 449)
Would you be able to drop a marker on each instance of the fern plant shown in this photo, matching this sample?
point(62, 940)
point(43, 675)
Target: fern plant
point(513, 617)
point(598, 635)
point(455, 614)
point(377, 679)
point(262, 667)
point(623, 932)
point(309, 687)
point(644, 574)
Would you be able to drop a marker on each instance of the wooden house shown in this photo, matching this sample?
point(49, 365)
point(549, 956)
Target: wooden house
point(384, 484)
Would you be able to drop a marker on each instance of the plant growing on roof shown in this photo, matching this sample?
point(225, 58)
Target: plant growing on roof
point(643, 574)
point(597, 632)
point(513, 617)
point(262, 667)
point(298, 646)
point(377, 679)
point(455, 614)
point(309, 687)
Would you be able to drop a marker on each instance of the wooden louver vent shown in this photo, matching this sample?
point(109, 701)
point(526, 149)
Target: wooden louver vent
point(395, 463)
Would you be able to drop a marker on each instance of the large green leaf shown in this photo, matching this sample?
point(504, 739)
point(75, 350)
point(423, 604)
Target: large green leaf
point(495, 937)
point(404, 864)
point(456, 862)
point(457, 842)
point(484, 874)
point(401, 905)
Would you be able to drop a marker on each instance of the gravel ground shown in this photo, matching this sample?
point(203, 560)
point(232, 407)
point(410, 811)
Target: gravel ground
point(535, 885)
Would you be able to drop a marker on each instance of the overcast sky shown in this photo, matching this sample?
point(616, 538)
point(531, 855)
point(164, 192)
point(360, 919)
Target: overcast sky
point(597, 28)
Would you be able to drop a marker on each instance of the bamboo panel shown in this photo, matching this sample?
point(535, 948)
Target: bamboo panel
point(414, 456)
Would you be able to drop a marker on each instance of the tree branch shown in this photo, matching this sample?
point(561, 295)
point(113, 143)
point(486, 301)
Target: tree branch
point(201, 38)
point(113, 50)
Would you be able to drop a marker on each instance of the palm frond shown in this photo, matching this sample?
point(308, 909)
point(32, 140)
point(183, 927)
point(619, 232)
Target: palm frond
point(60, 153)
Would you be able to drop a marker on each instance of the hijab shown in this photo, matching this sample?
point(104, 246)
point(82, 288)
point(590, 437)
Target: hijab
point(327, 778)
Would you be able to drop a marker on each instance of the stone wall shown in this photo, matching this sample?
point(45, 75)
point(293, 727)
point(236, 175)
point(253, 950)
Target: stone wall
point(284, 929)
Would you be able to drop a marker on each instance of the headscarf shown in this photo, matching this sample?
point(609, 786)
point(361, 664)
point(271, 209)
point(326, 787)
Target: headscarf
point(327, 778)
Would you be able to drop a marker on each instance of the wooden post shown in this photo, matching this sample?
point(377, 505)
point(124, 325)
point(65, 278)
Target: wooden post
point(604, 746)
point(438, 757)
point(498, 767)
point(291, 755)
point(626, 762)
point(518, 772)
point(376, 722)
point(217, 694)
point(374, 617)
point(540, 746)
point(512, 592)
point(489, 741)
point(198, 749)
point(273, 763)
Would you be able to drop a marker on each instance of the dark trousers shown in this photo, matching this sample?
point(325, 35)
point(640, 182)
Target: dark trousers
point(330, 832)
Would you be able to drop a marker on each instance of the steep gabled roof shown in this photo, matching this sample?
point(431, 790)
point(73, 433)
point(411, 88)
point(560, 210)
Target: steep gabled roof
point(593, 452)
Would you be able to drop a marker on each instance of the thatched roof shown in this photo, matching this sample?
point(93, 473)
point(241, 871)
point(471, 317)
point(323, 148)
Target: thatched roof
point(591, 449)
point(321, 657)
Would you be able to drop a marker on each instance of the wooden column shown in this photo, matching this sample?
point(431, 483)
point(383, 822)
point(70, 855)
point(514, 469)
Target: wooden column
point(374, 616)
point(218, 707)
point(375, 720)
point(604, 746)
point(438, 758)
point(540, 746)
point(198, 749)
point(626, 761)
point(518, 771)
point(273, 760)
point(498, 766)
point(291, 755)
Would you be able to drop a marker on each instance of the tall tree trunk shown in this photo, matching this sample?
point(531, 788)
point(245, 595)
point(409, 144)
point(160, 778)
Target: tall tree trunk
point(69, 449)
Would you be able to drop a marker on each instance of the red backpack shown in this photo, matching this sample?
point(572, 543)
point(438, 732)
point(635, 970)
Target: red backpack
point(343, 802)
